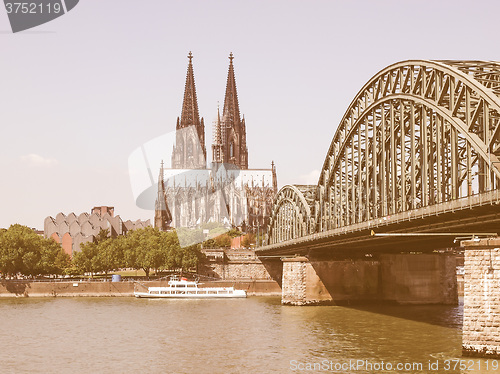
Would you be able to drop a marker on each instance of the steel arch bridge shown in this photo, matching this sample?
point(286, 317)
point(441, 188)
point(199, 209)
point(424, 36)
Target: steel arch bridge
point(421, 137)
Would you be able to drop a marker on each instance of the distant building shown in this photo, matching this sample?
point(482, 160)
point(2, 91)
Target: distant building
point(72, 230)
point(38, 232)
point(190, 194)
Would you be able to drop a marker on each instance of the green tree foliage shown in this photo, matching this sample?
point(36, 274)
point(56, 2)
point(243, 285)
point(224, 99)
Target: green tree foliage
point(210, 243)
point(109, 255)
point(234, 233)
point(102, 235)
point(189, 257)
point(223, 241)
point(150, 248)
point(103, 255)
point(170, 246)
point(87, 260)
point(139, 248)
point(53, 259)
point(25, 252)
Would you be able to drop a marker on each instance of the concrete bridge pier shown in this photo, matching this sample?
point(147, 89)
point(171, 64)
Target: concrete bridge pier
point(481, 325)
point(399, 278)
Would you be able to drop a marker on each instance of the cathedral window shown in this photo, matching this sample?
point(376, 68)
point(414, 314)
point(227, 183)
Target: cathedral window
point(231, 149)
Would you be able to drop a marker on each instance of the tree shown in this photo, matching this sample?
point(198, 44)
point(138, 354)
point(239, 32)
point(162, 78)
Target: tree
point(118, 244)
point(223, 240)
point(150, 248)
point(189, 257)
point(156, 254)
point(144, 249)
point(87, 261)
point(234, 233)
point(102, 235)
point(140, 251)
point(109, 255)
point(169, 245)
point(23, 251)
point(16, 243)
point(210, 243)
point(103, 255)
point(53, 259)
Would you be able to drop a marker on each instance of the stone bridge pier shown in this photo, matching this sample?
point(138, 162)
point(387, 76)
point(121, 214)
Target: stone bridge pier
point(481, 326)
point(400, 278)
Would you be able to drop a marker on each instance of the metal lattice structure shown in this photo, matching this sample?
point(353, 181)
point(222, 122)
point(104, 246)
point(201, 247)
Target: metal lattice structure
point(419, 133)
point(292, 212)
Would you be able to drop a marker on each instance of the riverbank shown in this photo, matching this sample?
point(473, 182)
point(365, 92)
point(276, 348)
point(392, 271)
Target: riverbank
point(13, 288)
point(17, 288)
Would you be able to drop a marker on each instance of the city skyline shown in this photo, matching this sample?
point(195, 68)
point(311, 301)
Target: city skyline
point(81, 93)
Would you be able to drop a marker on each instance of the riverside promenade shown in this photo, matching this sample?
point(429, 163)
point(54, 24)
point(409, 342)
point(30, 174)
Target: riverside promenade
point(22, 288)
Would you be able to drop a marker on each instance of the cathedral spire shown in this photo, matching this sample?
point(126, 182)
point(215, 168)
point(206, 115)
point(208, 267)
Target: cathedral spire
point(231, 106)
point(163, 217)
point(217, 145)
point(190, 115)
point(275, 179)
point(189, 150)
point(230, 146)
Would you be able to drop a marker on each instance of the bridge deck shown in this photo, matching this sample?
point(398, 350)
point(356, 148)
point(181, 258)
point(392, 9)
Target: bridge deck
point(478, 213)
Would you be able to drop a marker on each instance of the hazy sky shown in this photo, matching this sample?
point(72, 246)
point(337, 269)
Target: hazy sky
point(81, 93)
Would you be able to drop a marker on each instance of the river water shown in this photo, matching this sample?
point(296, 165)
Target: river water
point(253, 335)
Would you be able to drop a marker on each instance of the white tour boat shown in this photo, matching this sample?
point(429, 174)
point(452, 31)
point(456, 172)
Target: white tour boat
point(184, 289)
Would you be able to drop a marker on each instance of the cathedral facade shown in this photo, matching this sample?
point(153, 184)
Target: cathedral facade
point(227, 192)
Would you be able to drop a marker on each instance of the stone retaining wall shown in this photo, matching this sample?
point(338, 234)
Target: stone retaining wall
point(240, 270)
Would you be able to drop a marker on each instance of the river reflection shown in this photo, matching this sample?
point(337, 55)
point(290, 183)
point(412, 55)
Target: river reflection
point(254, 335)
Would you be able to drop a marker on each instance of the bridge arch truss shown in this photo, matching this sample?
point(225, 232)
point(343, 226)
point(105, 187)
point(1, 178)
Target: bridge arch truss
point(418, 133)
point(292, 214)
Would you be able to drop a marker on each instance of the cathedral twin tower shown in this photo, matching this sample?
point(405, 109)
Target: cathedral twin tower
point(189, 193)
point(229, 138)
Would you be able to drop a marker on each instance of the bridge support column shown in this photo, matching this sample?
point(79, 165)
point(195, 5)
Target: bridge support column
point(481, 325)
point(300, 283)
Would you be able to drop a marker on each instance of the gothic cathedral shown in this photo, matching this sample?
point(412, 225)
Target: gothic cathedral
point(189, 193)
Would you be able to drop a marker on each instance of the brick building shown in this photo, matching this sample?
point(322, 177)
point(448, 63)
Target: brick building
point(72, 230)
